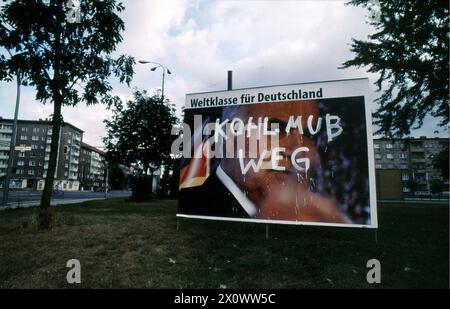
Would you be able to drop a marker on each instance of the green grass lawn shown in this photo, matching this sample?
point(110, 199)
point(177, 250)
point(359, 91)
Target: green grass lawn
point(126, 245)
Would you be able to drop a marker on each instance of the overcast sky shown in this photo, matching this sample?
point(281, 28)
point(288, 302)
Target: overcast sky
point(263, 42)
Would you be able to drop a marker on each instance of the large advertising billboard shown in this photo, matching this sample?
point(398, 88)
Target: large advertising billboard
point(290, 154)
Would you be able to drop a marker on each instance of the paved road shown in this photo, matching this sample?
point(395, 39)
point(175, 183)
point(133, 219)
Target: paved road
point(21, 196)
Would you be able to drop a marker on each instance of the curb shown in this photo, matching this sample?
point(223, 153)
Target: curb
point(52, 203)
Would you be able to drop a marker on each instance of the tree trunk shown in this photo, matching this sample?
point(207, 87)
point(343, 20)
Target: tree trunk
point(56, 126)
point(45, 215)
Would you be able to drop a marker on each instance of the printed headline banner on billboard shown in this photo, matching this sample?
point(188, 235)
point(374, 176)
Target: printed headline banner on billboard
point(290, 154)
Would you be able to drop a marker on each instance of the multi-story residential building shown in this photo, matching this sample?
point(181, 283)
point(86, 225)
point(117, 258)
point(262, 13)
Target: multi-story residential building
point(91, 170)
point(30, 167)
point(413, 161)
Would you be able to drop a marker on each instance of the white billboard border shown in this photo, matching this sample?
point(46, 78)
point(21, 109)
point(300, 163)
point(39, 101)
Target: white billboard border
point(370, 155)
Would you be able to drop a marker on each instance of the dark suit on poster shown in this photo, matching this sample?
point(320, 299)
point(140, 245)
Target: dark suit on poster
point(210, 199)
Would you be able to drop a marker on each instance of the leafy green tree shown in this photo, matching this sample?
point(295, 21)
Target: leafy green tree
point(436, 186)
point(67, 63)
point(169, 181)
point(141, 133)
point(440, 162)
point(410, 52)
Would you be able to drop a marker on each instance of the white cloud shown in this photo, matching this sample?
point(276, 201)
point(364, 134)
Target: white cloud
point(263, 42)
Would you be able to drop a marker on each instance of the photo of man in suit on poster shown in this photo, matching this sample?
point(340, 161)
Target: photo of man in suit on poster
point(329, 185)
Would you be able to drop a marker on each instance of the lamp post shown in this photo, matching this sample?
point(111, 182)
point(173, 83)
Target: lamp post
point(13, 141)
point(158, 65)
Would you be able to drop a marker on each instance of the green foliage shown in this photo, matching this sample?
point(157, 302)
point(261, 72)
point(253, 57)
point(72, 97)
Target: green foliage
point(67, 63)
point(117, 178)
point(141, 188)
point(141, 132)
point(41, 40)
point(409, 51)
point(440, 162)
point(169, 181)
point(436, 186)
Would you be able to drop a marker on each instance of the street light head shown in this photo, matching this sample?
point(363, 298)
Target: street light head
point(143, 61)
point(168, 71)
point(152, 69)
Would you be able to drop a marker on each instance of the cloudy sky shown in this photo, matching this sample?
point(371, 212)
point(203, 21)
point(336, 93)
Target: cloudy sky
point(263, 42)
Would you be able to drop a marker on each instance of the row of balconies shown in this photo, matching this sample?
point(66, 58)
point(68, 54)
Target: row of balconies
point(6, 130)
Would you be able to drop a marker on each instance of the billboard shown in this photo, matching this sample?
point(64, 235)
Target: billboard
point(290, 154)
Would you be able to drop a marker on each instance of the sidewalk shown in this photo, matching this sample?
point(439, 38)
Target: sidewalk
point(415, 201)
point(55, 202)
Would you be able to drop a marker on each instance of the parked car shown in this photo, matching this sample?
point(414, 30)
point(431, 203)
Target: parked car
point(101, 189)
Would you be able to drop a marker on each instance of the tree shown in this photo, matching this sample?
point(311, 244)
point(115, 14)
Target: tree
point(66, 62)
point(440, 162)
point(169, 183)
point(410, 53)
point(436, 186)
point(141, 133)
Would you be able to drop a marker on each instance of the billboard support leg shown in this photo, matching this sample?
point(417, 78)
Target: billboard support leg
point(376, 236)
point(267, 232)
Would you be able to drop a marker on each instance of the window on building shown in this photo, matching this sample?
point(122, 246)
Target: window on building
point(65, 174)
point(376, 146)
point(23, 138)
point(378, 166)
point(404, 166)
point(19, 171)
point(33, 154)
point(378, 156)
point(32, 163)
point(30, 172)
point(66, 149)
point(66, 165)
point(23, 129)
point(405, 189)
point(389, 146)
point(403, 156)
point(34, 146)
point(35, 138)
point(20, 163)
point(389, 156)
point(390, 165)
point(21, 154)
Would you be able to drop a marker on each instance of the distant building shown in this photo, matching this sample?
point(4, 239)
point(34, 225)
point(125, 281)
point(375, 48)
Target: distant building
point(412, 161)
point(91, 169)
point(30, 166)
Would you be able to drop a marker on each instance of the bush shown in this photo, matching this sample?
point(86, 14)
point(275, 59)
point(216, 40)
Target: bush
point(141, 188)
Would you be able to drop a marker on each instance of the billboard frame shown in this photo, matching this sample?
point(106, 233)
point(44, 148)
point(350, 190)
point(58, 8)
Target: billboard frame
point(364, 91)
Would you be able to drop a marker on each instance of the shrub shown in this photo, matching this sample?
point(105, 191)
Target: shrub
point(141, 188)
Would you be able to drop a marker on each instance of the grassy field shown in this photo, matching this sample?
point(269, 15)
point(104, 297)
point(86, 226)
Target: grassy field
point(126, 245)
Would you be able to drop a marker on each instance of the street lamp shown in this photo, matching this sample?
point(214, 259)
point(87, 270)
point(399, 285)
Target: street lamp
point(158, 65)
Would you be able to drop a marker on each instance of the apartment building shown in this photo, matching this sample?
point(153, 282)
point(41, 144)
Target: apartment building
point(91, 169)
point(411, 160)
point(30, 166)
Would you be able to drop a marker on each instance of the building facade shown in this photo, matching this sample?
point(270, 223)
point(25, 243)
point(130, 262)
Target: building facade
point(413, 159)
point(91, 169)
point(30, 166)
